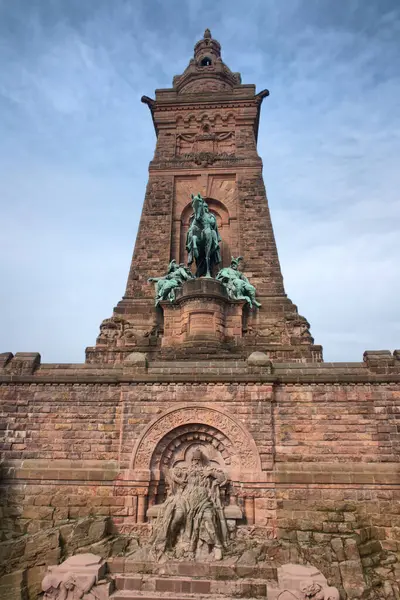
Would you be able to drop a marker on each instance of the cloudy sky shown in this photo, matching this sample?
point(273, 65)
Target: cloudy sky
point(75, 142)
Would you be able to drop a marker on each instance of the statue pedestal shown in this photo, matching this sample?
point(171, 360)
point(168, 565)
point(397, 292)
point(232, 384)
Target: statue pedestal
point(202, 314)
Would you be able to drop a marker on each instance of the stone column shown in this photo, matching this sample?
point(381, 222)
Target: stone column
point(141, 509)
point(249, 509)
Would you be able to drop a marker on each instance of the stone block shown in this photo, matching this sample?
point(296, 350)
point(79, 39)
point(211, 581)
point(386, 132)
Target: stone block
point(136, 360)
point(5, 358)
point(84, 532)
point(291, 575)
point(351, 549)
point(41, 544)
point(338, 549)
point(34, 578)
point(13, 585)
point(80, 574)
point(24, 363)
point(353, 580)
point(259, 359)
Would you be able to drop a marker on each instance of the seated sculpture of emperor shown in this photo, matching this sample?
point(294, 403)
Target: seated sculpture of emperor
point(192, 517)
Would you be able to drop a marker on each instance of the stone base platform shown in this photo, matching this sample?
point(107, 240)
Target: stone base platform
point(221, 570)
point(189, 580)
point(215, 580)
point(149, 586)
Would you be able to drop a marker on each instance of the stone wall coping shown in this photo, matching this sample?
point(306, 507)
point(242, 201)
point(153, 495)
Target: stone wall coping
point(106, 378)
point(377, 367)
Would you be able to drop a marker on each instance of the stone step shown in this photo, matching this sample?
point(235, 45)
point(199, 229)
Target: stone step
point(135, 595)
point(219, 571)
point(190, 585)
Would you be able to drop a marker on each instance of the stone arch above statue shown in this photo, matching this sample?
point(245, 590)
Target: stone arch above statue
point(173, 436)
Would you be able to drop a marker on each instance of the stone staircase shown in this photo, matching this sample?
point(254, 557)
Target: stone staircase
point(188, 581)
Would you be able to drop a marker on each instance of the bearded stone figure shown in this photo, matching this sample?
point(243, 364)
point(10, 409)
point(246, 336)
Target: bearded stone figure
point(191, 521)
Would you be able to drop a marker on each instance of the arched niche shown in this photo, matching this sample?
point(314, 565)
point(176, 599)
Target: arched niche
point(170, 435)
point(221, 213)
point(171, 439)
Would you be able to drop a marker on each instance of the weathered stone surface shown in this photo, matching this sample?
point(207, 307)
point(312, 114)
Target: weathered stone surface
point(259, 359)
point(353, 579)
point(83, 533)
point(79, 576)
point(40, 544)
point(291, 575)
point(137, 359)
point(337, 545)
point(13, 586)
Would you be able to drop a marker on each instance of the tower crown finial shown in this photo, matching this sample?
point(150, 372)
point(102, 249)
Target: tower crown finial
point(207, 46)
point(206, 65)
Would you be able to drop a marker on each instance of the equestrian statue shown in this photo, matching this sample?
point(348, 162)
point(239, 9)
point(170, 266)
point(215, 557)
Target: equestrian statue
point(203, 239)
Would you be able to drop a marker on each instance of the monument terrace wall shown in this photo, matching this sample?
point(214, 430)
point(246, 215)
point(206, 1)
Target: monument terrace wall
point(312, 451)
point(317, 426)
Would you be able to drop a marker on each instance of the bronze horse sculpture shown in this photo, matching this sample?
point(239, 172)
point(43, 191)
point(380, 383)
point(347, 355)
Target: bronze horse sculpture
point(203, 239)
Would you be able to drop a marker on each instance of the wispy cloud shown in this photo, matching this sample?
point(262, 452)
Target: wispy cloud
point(75, 144)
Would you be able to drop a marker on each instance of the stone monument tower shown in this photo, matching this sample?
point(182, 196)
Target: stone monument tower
point(204, 448)
point(206, 127)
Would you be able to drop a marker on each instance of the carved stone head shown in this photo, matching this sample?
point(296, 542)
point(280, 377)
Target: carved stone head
point(197, 457)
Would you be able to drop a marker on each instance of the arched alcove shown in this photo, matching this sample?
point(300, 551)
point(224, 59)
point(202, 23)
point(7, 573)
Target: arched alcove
point(202, 423)
point(171, 440)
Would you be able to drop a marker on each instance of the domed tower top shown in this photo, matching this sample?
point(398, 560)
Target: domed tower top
point(206, 71)
point(207, 50)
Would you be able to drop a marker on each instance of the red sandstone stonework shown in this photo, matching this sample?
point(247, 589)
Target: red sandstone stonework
point(311, 449)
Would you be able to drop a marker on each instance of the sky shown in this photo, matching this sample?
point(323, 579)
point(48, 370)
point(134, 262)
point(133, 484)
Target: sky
point(75, 143)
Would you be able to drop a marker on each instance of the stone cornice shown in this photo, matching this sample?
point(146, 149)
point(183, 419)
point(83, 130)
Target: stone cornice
point(110, 377)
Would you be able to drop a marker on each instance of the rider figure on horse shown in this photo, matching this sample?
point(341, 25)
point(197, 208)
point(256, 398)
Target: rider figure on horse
point(203, 239)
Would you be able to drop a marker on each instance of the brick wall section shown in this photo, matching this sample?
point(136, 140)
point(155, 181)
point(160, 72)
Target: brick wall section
point(152, 247)
point(74, 422)
point(85, 434)
point(347, 423)
point(321, 423)
point(330, 456)
point(257, 239)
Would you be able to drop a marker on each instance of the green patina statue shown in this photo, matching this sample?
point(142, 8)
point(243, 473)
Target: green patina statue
point(237, 284)
point(203, 239)
point(166, 285)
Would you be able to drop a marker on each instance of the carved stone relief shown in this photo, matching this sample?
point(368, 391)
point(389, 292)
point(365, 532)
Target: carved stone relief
point(205, 85)
point(117, 332)
point(217, 118)
point(245, 451)
point(175, 445)
point(191, 523)
point(205, 145)
point(206, 142)
point(300, 582)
